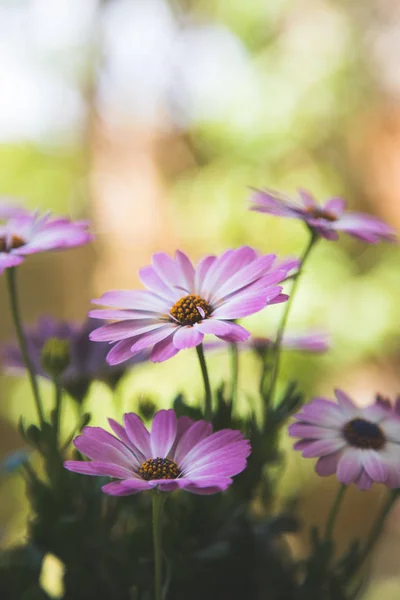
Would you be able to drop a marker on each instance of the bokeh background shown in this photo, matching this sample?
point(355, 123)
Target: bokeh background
point(153, 118)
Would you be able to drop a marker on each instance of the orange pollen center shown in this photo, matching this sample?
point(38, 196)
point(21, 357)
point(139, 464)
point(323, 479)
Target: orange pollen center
point(186, 310)
point(14, 242)
point(159, 468)
point(319, 213)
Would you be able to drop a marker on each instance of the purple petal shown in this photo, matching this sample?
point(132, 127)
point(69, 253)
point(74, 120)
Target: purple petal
point(207, 485)
point(9, 260)
point(123, 329)
point(187, 269)
point(197, 432)
point(101, 452)
point(125, 488)
point(327, 465)
point(105, 438)
point(345, 402)
point(230, 332)
point(120, 352)
point(350, 466)
point(201, 272)
point(138, 434)
point(214, 442)
point(164, 350)
point(151, 280)
point(97, 468)
point(335, 206)
point(323, 447)
point(134, 299)
point(163, 432)
point(311, 431)
point(187, 337)
point(149, 339)
point(375, 467)
point(258, 268)
point(364, 481)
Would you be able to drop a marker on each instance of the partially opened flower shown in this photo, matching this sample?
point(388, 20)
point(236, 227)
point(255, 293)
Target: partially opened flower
point(325, 220)
point(25, 233)
point(183, 302)
point(360, 445)
point(179, 453)
point(87, 361)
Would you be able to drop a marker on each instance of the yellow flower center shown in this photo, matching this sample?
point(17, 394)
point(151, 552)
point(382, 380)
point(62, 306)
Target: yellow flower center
point(159, 468)
point(187, 312)
point(14, 242)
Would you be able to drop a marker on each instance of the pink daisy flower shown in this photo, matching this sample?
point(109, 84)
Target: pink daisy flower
point(183, 303)
point(326, 220)
point(178, 453)
point(360, 445)
point(25, 233)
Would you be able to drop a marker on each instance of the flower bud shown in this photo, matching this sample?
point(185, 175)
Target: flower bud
point(55, 357)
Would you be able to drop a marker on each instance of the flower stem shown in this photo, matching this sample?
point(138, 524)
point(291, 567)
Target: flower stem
point(158, 504)
point(235, 375)
point(15, 311)
point(334, 512)
point(57, 412)
point(284, 320)
point(206, 379)
point(377, 528)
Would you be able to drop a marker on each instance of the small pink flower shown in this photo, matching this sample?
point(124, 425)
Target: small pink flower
point(326, 220)
point(360, 445)
point(178, 453)
point(184, 303)
point(25, 233)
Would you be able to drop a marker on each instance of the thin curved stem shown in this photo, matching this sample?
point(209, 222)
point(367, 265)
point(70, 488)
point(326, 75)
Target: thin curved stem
point(57, 411)
point(16, 315)
point(158, 504)
point(206, 379)
point(284, 320)
point(235, 375)
point(330, 524)
point(377, 528)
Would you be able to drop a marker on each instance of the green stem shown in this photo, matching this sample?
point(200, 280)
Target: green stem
point(158, 504)
point(377, 528)
point(57, 413)
point(235, 375)
point(15, 311)
point(334, 512)
point(284, 320)
point(206, 379)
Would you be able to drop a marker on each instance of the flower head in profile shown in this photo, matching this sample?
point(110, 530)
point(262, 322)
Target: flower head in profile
point(360, 445)
point(87, 361)
point(178, 453)
point(325, 220)
point(183, 303)
point(23, 233)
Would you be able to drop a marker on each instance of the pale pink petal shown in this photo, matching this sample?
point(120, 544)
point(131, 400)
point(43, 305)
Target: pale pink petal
point(201, 272)
point(151, 280)
point(149, 339)
point(227, 331)
point(187, 269)
point(187, 337)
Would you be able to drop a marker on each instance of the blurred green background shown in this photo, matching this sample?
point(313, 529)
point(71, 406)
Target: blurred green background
point(153, 119)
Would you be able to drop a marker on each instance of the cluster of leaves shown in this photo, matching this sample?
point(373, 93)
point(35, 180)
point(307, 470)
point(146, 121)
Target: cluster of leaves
point(214, 546)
